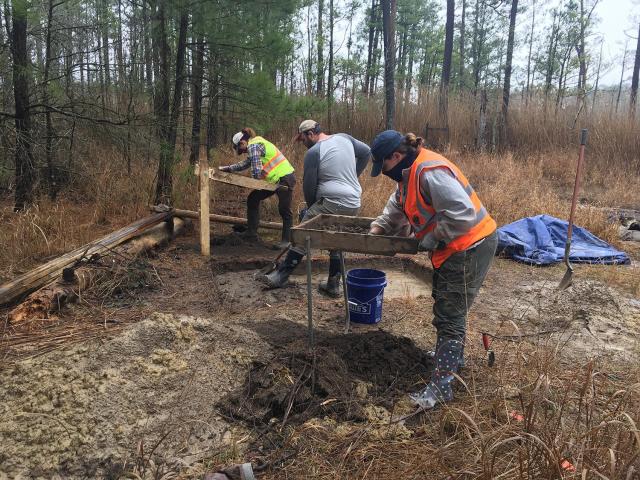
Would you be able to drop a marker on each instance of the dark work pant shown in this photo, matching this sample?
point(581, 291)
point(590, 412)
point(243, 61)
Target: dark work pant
point(285, 199)
point(328, 207)
point(455, 286)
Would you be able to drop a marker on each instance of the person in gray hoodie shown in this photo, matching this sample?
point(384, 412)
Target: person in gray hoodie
point(330, 184)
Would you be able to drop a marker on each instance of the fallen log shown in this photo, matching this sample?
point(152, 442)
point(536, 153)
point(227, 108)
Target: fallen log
point(219, 218)
point(23, 285)
point(67, 288)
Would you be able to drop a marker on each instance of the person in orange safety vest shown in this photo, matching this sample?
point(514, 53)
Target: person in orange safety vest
point(435, 202)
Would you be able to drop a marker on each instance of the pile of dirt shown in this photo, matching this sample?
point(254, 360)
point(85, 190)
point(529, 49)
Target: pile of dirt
point(347, 374)
point(88, 411)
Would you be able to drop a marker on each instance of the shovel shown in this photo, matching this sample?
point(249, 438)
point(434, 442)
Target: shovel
point(274, 264)
point(567, 279)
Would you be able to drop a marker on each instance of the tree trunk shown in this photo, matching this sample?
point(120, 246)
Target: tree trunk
point(164, 187)
point(373, 75)
point(409, 78)
point(475, 47)
point(388, 28)
point(582, 73)
point(446, 65)
point(533, 22)
point(104, 18)
point(320, 72)
point(507, 73)
point(45, 100)
point(551, 54)
point(161, 102)
point(624, 62)
point(370, 47)
point(481, 142)
point(595, 88)
point(562, 78)
point(634, 79)
point(309, 82)
point(330, 79)
point(121, 75)
point(461, 46)
point(25, 171)
point(212, 113)
point(198, 71)
point(146, 36)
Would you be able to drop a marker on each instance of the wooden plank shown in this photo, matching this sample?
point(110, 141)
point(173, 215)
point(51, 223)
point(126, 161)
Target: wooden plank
point(322, 238)
point(240, 180)
point(222, 218)
point(36, 278)
point(205, 228)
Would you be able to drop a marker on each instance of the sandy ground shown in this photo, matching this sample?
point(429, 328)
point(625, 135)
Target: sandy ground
point(167, 390)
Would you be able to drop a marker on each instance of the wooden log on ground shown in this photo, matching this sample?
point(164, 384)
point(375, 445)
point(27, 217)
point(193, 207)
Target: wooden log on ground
point(16, 289)
point(51, 298)
point(220, 218)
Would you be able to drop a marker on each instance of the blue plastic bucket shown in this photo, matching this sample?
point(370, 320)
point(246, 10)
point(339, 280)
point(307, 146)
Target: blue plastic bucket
point(365, 289)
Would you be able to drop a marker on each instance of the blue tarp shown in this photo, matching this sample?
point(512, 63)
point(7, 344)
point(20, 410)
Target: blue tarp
point(541, 240)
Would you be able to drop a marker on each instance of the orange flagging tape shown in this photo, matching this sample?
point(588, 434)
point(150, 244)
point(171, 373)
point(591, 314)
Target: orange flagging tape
point(516, 416)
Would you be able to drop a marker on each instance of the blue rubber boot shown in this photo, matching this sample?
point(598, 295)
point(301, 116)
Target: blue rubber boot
point(439, 390)
point(432, 353)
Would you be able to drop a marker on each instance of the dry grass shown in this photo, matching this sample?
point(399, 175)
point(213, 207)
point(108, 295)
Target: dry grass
point(573, 416)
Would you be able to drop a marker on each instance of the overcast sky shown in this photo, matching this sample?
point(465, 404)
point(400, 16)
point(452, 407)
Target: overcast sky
point(618, 24)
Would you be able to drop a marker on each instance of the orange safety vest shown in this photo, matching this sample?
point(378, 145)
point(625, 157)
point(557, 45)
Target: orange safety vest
point(422, 216)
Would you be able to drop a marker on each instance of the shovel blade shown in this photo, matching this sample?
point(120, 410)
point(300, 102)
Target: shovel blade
point(566, 280)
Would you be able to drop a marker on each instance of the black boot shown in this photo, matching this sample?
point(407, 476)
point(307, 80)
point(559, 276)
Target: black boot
point(253, 219)
point(331, 287)
point(280, 276)
point(287, 223)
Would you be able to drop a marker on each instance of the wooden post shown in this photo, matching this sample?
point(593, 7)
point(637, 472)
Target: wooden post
point(347, 318)
point(309, 295)
point(205, 228)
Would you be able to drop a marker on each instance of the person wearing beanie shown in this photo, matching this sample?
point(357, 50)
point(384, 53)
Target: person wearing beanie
point(330, 184)
point(267, 163)
point(435, 202)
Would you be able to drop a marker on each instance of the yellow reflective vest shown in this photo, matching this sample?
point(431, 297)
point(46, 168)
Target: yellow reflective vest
point(274, 163)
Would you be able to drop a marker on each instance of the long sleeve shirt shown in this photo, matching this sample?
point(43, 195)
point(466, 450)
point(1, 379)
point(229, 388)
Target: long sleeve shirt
point(253, 160)
point(455, 213)
point(331, 170)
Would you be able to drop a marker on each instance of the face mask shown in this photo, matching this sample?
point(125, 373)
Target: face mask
point(396, 172)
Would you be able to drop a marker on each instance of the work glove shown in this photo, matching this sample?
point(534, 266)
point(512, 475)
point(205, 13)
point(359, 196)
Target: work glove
point(302, 213)
point(429, 243)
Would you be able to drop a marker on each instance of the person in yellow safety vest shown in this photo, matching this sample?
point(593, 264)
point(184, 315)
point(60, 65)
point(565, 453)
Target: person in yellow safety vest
point(267, 163)
point(435, 202)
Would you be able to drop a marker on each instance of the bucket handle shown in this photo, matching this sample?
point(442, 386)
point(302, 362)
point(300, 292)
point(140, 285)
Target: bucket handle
point(368, 301)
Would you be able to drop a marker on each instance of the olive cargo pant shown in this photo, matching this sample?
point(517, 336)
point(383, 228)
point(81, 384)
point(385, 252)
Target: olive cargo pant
point(455, 286)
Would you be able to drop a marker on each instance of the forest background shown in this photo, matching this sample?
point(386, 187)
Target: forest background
point(104, 105)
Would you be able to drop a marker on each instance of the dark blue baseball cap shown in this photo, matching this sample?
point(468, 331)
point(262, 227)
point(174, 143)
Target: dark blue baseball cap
point(382, 147)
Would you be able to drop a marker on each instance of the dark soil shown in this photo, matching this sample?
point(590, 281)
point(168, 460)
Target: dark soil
point(347, 373)
point(347, 229)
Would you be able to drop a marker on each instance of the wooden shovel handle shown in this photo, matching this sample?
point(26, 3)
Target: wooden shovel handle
point(576, 185)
